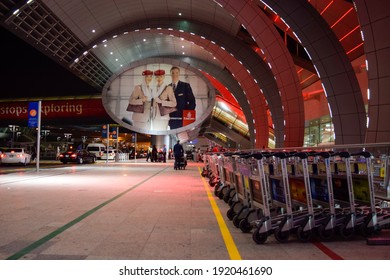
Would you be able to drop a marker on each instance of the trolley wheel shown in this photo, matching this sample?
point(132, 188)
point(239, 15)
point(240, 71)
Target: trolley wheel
point(226, 196)
point(222, 192)
point(245, 226)
point(216, 191)
point(280, 235)
point(236, 221)
point(367, 231)
point(325, 234)
point(258, 237)
point(303, 236)
point(231, 201)
point(230, 214)
point(346, 233)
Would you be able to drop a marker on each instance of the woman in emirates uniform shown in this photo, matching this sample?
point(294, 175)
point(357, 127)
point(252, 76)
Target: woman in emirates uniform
point(143, 94)
point(165, 96)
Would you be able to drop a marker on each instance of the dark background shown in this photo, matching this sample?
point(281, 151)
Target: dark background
point(26, 72)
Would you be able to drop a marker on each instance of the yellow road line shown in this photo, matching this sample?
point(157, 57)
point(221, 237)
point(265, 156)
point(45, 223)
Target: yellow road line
point(227, 237)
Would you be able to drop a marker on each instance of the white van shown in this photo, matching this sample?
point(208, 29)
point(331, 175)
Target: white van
point(97, 149)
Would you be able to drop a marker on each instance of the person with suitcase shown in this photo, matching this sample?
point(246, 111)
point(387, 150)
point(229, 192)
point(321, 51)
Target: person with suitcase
point(178, 153)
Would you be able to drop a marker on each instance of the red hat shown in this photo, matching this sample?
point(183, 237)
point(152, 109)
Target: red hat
point(147, 73)
point(159, 72)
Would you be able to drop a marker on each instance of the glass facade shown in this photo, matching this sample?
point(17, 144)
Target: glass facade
point(319, 132)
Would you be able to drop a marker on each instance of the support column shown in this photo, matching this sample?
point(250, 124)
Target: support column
point(160, 140)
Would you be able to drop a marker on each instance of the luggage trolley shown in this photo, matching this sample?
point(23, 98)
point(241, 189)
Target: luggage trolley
point(259, 197)
point(301, 220)
point(241, 208)
point(206, 172)
point(374, 216)
point(309, 217)
point(321, 186)
point(214, 173)
point(353, 214)
point(268, 191)
point(226, 165)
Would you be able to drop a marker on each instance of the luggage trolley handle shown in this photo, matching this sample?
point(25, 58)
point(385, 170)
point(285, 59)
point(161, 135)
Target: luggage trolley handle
point(370, 178)
point(259, 157)
point(326, 156)
point(286, 185)
point(303, 156)
point(347, 158)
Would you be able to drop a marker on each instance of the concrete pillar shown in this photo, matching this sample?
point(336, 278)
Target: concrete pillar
point(160, 140)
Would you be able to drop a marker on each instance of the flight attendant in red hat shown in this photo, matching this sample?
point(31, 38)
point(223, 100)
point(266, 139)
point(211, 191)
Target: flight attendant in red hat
point(143, 94)
point(164, 96)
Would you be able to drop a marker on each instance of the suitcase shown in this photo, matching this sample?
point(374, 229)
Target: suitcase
point(181, 163)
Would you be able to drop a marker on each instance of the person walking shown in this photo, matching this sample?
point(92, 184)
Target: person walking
point(178, 153)
point(164, 151)
point(154, 153)
point(149, 154)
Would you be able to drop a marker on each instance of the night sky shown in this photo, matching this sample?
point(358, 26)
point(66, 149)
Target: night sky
point(26, 72)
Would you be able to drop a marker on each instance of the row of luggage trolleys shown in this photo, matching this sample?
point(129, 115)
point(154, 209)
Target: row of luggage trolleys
point(306, 193)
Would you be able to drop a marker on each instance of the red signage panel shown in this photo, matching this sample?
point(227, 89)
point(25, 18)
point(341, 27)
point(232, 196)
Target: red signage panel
point(189, 116)
point(54, 109)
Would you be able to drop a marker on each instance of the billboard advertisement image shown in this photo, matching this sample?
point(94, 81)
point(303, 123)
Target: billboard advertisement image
point(158, 99)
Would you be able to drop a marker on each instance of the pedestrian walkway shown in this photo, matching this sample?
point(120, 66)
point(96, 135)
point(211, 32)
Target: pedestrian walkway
point(136, 210)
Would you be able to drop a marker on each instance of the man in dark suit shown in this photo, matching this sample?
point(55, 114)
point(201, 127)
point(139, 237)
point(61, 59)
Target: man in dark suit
point(184, 97)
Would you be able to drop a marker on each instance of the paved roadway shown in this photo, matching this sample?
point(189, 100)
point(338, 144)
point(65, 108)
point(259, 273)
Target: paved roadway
point(136, 210)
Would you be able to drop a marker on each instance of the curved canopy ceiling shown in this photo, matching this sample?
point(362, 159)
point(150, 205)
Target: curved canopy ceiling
point(97, 39)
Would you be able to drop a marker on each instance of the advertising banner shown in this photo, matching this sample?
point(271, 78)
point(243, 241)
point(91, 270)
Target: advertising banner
point(158, 99)
point(104, 131)
point(32, 115)
point(13, 112)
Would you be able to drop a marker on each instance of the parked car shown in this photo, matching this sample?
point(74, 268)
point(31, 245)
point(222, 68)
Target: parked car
point(15, 155)
point(97, 149)
point(110, 154)
point(79, 156)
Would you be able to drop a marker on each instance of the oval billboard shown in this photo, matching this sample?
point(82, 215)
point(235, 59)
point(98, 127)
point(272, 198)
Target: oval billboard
point(158, 99)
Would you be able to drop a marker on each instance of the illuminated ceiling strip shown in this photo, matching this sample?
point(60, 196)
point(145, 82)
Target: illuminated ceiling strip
point(323, 11)
point(311, 76)
point(361, 44)
point(349, 33)
point(314, 92)
point(344, 15)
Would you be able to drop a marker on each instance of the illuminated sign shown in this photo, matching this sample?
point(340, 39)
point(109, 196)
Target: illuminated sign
point(52, 109)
